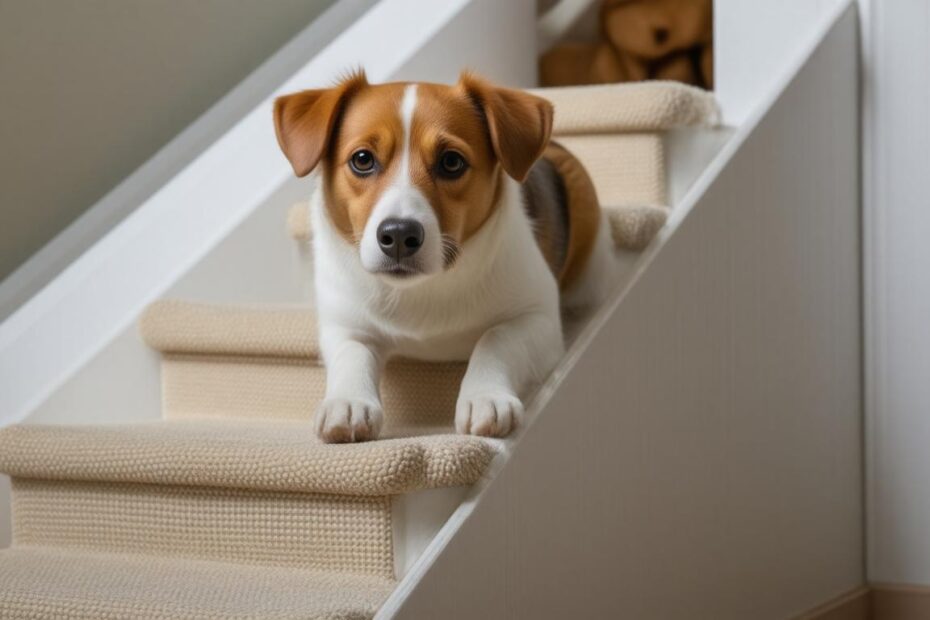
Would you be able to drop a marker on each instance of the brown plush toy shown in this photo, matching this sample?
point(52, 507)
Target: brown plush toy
point(640, 40)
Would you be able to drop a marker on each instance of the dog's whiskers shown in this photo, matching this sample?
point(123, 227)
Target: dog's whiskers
point(450, 250)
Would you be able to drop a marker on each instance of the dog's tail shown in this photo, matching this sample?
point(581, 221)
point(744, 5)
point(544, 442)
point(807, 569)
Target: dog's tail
point(605, 268)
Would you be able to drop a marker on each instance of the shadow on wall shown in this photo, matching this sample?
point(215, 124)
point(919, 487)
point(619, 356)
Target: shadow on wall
point(92, 89)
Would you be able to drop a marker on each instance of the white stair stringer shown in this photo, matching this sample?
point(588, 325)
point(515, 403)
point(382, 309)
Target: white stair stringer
point(698, 453)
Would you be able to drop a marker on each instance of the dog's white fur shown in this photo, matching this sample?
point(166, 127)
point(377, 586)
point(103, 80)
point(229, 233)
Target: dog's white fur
point(498, 307)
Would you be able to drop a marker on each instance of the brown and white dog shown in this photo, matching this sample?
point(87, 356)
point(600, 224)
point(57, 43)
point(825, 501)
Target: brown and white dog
point(446, 227)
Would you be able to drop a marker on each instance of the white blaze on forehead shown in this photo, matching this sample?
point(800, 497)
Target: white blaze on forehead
point(402, 199)
point(407, 105)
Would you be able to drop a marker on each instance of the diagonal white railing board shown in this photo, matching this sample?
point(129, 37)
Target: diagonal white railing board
point(99, 295)
point(699, 453)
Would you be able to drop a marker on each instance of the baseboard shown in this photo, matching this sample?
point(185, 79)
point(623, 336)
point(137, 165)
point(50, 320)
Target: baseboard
point(853, 605)
point(876, 602)
point(900, 602)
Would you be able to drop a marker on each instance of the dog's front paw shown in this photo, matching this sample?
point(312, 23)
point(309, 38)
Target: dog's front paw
point(489, 415)
point(342, 420)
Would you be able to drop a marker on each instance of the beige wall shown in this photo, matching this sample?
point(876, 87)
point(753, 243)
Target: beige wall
point(89, 90)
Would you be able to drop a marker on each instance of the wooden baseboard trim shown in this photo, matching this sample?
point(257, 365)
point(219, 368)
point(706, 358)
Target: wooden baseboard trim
point(853, 605)
point(891, 601)
point(879, 601)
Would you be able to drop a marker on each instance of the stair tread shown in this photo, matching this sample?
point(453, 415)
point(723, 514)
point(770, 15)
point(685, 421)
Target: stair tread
point(242, 454)
point(650, 106)
point(192, 328)
point(185, 327)
point(63, 584)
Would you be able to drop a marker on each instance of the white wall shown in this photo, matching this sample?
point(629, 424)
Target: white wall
point(895, 88)
point(896, 80)
point(752, 42)
point(92, 89)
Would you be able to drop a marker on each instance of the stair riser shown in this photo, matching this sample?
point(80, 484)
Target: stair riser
point(348, 534)
point(627, 169)
point(414, 395)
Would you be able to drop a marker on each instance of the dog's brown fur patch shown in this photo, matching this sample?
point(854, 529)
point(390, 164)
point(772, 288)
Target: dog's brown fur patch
point(371, 120)
point(584, 213)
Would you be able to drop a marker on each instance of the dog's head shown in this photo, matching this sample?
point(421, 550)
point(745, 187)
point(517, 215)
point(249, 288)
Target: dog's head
point(410, 171)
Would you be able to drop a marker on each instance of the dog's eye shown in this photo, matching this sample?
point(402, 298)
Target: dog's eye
point(452, 164)
point(362, 162)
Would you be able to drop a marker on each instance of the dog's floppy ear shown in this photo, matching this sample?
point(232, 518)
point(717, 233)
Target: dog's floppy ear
point(304, 121)
point(519, 123)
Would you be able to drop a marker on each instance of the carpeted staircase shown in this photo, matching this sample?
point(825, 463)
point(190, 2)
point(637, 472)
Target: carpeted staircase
point(229, 507)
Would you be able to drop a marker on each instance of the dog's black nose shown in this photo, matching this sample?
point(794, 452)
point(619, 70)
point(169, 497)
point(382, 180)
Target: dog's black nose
point(400, 238)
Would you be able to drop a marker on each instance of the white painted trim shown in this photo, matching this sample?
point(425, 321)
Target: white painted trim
point(99, 294)
point(896, 229)
point(688, 151)
point(416, 518)
point(873, 308)
point(792, 63)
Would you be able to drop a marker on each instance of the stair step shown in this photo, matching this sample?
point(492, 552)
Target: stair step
point(240, 491)
point(263, 362)
point(41, 583)
point(182, 327)
point(618, 133)
point(242, 454)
